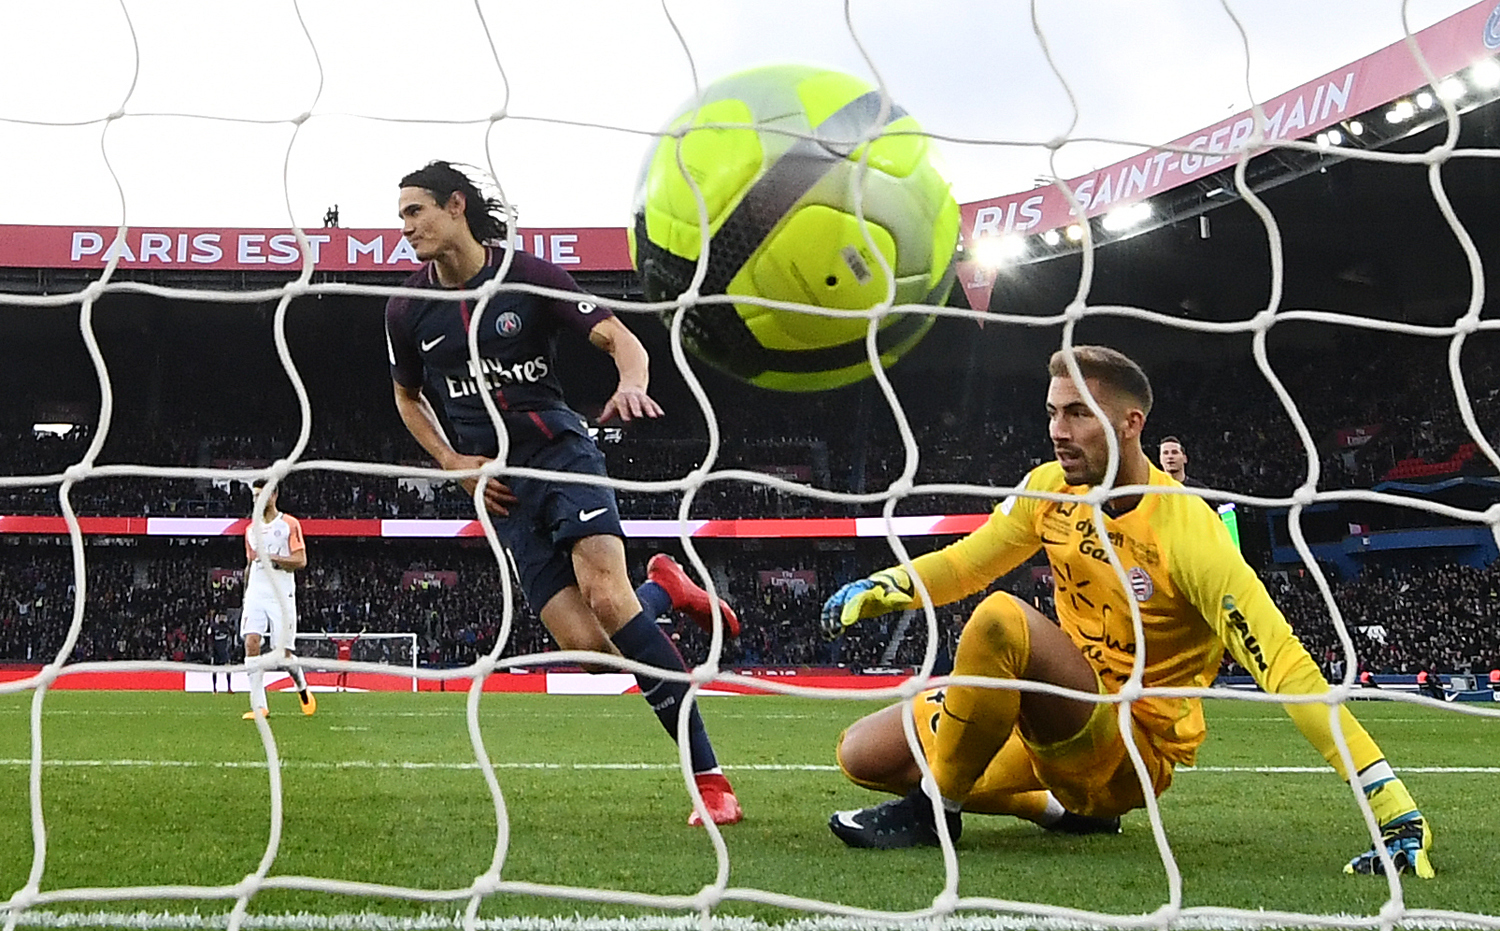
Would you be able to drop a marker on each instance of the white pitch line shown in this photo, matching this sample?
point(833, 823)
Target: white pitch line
point(374, 921)
point(749, 767)
point(457, 713)
point(399, 764)
point(218, 713)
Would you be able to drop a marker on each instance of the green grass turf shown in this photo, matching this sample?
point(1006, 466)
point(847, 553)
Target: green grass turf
point(1243, 838)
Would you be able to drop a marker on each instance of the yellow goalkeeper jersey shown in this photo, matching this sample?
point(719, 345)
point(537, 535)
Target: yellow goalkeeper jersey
point(1196, 593)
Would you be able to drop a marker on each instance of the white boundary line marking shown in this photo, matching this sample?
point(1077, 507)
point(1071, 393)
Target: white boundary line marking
point(750, 767)
point(374, 921)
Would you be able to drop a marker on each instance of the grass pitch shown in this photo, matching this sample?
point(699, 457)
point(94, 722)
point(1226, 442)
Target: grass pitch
point(168, 788)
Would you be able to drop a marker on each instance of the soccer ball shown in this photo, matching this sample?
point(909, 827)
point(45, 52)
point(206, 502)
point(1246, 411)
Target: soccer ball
point(782, 225)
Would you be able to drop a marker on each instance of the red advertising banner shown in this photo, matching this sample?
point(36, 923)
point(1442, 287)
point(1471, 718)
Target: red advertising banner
point(797, 581)
point(791, 473)
point(536, 682)
point(767, 528)
point(333, 249)
point(429, 578)
point(1357, 436)
point(1449, 46)
point(1376, 79)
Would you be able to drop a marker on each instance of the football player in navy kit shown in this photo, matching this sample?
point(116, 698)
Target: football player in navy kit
point(565, 537)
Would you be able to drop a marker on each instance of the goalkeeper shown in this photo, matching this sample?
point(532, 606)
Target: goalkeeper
point(997, 750)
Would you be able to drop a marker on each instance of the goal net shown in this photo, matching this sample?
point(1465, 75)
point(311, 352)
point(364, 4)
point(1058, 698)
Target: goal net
point(158, 118)
point(385, 649)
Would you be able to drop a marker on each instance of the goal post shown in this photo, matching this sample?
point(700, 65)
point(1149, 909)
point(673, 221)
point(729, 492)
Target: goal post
point(395, 649)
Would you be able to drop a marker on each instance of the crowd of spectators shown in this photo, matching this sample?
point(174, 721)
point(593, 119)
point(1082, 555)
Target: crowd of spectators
point(1402, 618)
point(161, 602)
point(1237, 432)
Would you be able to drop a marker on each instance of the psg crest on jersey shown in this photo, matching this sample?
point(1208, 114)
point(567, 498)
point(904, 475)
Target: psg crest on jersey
point(508, 324)
point(1140, 584)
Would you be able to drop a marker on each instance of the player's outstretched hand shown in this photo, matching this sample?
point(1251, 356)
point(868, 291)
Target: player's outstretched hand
point(497, 495)
point(1408, 840)
point(628, 404)
point(886, 591)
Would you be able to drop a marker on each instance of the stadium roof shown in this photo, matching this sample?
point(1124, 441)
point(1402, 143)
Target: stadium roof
point(1372, 228)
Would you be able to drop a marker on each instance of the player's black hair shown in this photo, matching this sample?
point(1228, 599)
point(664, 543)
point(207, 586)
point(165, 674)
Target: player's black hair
point(1171, 439)
point(484, 214)
point(1110, 368)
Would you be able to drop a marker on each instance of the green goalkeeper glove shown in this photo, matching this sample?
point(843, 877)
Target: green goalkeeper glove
point(886, 591)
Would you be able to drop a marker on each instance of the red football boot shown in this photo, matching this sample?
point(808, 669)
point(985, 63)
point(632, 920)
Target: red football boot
point(688, 596)
point(718, 798)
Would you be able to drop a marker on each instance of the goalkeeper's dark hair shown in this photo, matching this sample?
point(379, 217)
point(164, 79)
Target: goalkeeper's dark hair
point(1110, 368)
point(442, 180)
point(1170, 439)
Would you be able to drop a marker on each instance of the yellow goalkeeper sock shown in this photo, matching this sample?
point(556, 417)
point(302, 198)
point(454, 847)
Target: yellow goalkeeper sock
point(1387, 794)
point(977, 721)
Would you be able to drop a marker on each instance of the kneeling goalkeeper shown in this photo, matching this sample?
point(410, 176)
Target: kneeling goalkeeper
point(1000, 750)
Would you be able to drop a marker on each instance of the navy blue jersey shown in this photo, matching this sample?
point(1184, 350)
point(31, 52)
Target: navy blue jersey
point(429, 348)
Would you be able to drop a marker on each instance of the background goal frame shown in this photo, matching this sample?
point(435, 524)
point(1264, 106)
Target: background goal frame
point(335, 635)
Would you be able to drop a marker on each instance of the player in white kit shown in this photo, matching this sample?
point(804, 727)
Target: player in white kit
point(281, 535)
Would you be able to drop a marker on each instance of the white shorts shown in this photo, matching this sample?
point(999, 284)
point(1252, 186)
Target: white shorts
point(264, 618)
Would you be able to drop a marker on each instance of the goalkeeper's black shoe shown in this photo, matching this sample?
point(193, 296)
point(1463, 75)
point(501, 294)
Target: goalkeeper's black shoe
point(1070, 823)
point(900, 822)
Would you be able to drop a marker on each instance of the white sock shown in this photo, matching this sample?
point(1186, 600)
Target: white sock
point(949, 805)
point(298, 678)
point(257, 689)
point(1375, 775)
point(1054, 812)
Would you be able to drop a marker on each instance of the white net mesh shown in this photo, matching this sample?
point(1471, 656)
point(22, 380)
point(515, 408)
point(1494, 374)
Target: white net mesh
point(29, 903)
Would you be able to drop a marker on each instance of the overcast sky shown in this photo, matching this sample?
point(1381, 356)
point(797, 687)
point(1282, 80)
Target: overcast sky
point(1142, 71)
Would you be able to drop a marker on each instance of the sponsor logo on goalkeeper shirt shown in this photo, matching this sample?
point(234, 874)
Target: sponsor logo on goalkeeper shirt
point(1240, 626)
point(1090, 545)
point(1145, 553)
point(1492, 29)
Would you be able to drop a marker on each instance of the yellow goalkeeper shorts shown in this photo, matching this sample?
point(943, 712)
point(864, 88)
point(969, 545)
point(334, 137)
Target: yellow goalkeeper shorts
point(1091, 773)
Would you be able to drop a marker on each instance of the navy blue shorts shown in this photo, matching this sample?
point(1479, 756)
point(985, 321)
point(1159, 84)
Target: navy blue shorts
point(551, 516)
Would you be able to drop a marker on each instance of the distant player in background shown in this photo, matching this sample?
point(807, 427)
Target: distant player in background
point(221, 640)
point(1173, 458)
point(261, 616)
point(565, 537)
point(344, 652)
point(1197, 597)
